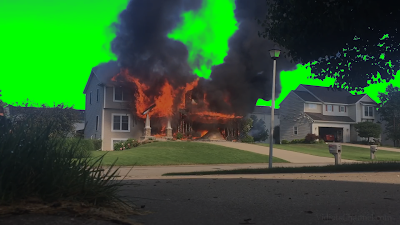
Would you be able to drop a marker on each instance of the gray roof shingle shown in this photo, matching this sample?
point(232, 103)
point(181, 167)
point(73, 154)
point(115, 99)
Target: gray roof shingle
point(319, 116)
point(330, 95)
point(264, 110)
point(306, 96)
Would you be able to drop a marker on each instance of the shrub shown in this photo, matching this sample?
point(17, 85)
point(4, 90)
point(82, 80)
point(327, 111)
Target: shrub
point(179, 136)
point(310, 138)
point(285, 142)
point(83, 146)
point(297, 141)
point(96, 144)
point(321, 141)
point(34, 165)
point(247, 139)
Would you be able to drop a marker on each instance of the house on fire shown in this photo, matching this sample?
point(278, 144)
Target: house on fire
point(323, 111)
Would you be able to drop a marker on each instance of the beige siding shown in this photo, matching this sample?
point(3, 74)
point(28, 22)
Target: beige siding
point(94, 109)
point(318, 108)
point(110, 103)
point(135, 128)
point(335, 111)
point(292, 115)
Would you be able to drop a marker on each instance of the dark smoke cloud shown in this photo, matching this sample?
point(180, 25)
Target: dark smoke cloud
point(142, 44)
point(246, 73)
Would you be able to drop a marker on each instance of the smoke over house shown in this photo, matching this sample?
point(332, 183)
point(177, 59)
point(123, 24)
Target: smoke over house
point(158, 71)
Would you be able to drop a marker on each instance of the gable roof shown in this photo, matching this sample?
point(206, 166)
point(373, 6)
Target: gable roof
point(306, 96)
point(329, 95)
point(103, 73)
point(320, 116)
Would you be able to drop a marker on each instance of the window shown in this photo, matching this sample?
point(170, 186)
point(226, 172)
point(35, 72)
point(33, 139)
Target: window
point(97, 122)
point(329, 108)
point(97, 95)
point(90, 98)
point(295, 130)
point(368, 111)
point(120, 123)
point(312, 106)
point(342, 108)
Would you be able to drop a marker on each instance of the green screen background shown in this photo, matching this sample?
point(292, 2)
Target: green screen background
point(49, 47)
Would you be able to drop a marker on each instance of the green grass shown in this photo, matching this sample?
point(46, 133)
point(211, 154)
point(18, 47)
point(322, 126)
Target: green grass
point(181, 153)
point(358, 167)
point(348, 152)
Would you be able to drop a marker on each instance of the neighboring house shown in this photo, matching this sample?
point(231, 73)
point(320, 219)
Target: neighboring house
point(323, 111)
point(264, 113)
point(1, 111)
point(106, 111)
point(17, 111)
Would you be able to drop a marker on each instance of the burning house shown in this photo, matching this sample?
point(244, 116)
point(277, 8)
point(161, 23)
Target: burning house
point(162, 96)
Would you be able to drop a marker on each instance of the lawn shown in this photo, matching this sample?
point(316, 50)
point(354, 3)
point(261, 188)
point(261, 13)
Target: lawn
point(182, 153)
point(348, 152)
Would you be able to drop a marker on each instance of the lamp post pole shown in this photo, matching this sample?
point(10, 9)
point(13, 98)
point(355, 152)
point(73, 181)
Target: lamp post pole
point(271, 133)
point(274, 55)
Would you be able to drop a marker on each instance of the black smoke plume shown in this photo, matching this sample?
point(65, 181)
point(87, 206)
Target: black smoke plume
point(143, 47)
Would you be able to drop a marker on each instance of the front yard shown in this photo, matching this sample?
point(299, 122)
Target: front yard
point(348, 152)
point(182, 153)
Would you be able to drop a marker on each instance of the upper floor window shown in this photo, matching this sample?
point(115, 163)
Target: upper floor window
point(312, 106)
point(97, 95)
point(121, 94)
point(368, 111)
point(329, 108)
point(342, 108)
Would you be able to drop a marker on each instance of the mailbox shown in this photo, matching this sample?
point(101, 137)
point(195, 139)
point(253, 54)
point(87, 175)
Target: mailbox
point(335, 148)
point(373, 148)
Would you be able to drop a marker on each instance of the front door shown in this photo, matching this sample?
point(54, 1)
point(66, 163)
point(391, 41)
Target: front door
point(339, 135)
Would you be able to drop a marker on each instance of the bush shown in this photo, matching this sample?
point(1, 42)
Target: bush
point(96, 144)
point(297, 141)
point(310, 138)
point(285, 142)
point(34, 165)
point(321, 141)
point(247, 139)
point(83, 146)
point(179, 136)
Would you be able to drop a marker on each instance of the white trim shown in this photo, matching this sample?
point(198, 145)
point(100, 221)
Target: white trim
point(120, 114)
point(373, 113)
point(326, 121)
point(115, 139)
point(114, 96)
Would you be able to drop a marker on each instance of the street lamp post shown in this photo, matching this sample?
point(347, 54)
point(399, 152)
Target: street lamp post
point(274, 55)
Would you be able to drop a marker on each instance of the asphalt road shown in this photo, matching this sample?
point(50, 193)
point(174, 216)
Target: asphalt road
point(344, 198)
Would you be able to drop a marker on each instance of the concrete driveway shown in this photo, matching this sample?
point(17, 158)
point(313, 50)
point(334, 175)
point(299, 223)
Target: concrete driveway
point(290, 156)
point(343, 198)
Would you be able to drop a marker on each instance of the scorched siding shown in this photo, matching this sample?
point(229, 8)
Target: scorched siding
point(292, 115)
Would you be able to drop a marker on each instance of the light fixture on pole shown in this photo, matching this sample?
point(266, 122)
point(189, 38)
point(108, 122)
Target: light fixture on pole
point(275, 52)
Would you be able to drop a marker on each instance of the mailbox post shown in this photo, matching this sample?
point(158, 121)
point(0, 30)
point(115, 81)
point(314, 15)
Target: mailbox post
point(373, 149)
point(336, 150)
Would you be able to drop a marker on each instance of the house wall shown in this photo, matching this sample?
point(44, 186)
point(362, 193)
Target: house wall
point(335, 110)
point(267, 119)
point(94, 109)
point(135, 126)
point(110, 103)
point(291, 115)
point(318, 109)
point(346, 129)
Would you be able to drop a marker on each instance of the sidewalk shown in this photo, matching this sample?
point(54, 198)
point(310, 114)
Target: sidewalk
point(290, 156)
point(367, 146)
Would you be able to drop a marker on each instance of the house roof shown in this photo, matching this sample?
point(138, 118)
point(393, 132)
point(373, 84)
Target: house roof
point(306, 96)
point(319, 116)
point(104, 72)
point(17, 110)
point(327, 94)
point(264, 110)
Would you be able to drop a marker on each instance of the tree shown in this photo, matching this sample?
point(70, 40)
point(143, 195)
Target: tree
point(258, 130)
point(389, 110)
point(368, 129)
point(245, 126)
point(351, 40)
point(2, 104)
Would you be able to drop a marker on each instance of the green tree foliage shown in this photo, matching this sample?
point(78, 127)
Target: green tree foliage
point(389, 110)
point(245, 126)
point(258, 131)
point(351, 40)
point(368, 129)
point(2, 104)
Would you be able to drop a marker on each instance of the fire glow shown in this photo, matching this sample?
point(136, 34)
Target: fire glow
point(170, 100)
